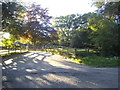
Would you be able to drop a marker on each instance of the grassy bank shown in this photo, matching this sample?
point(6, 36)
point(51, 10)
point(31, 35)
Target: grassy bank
point(98, 61)
point(87, 57)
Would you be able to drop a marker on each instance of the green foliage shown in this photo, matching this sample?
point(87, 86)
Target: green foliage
point(98, 29)
point(108, 9)
point(104, 34)
point(72, 28)
point(88, 30)
point(65, 25)
point(80, 38)
point(12, 17)
point(86, 58)
point(31, 22)
point(37, 25)
point(100, 61)
point(24, 41)
point(9, 42)
point(107, 32)
point(63, 36)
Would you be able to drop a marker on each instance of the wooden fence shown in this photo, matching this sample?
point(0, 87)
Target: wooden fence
point(15, 49)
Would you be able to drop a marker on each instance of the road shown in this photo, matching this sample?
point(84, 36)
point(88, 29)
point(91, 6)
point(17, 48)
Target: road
point(44, 70)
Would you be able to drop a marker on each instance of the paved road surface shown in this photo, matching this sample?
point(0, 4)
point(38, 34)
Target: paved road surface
point(44, 70)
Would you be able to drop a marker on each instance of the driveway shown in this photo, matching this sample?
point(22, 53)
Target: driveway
point(44, 70)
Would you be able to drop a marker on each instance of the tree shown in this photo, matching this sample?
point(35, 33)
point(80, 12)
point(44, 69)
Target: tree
point(37, 24)
point(81, 38)
point(109, 9)
point(111, 14)
point(70, 27)
point(104, 34)
point(29, 22)
point(12, 17)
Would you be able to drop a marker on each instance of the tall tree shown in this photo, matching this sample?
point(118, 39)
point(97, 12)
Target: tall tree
point(68, 27)
point(104, 34)
point(12, 17)
point(37, 24)
point(109, 9)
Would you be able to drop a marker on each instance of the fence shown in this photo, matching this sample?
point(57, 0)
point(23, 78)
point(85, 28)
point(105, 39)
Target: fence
point(15, 49)
point(61, 50)
point(54, 49)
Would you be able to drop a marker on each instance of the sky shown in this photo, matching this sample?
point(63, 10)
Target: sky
point(65, 7)
point(4, 35)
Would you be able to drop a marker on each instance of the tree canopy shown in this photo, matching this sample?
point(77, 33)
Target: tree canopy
point(29, 22)
point(98, 29)
point(94, 29)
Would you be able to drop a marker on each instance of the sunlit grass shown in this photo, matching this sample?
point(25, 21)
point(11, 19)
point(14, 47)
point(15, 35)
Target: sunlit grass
point(97, 61)
point(84, 57)
point(100, 61)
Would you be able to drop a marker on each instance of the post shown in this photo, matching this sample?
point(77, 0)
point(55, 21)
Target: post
point(8, 49)
point(75, 53)
point(20, 48)
point(88, 49)
point(15, 48)
point(66, 52)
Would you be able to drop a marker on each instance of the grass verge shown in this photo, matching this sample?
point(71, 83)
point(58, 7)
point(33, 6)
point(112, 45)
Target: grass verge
point(12, 53)
point(98, 61)
point(90, 58)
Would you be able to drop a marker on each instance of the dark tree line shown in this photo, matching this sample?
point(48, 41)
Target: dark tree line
point(99, 29)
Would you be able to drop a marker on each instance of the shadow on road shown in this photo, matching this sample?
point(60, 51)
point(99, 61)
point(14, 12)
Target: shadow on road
point(43, 70)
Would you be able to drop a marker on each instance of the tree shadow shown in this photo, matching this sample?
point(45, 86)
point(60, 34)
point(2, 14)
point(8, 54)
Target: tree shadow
point(35, 70)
